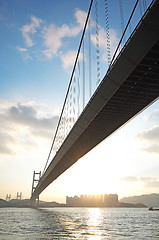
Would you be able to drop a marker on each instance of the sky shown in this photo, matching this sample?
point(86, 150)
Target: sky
point(38, 43)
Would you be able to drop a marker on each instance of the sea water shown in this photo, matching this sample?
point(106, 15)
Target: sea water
point(78, 223)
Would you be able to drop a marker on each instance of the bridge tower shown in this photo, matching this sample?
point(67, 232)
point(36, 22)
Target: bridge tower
point(8, 197)
point(19, 195)
point(36, 179)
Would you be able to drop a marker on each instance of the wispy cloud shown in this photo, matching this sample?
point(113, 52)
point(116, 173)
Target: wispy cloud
point(53, 35)
point(153, 148)
point(54, 38)
point(80, 17)
point(29, 29)
point(24, 52)
point(130, 179)
point(68, 59)
point(149, 182)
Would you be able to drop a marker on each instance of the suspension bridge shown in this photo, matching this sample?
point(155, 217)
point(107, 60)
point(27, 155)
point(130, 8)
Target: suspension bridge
point(130, 83)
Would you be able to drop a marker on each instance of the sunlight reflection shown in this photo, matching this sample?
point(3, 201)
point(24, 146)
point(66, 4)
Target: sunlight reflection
point(95, 221)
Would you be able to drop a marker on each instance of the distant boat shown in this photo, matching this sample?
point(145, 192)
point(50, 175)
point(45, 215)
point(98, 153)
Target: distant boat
point(153, 209)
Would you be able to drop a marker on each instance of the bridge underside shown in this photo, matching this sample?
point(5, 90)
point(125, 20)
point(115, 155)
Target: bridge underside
point(130, 86)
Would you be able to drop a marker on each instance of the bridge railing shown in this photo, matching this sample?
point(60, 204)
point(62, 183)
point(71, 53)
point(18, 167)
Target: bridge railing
point(107, 28)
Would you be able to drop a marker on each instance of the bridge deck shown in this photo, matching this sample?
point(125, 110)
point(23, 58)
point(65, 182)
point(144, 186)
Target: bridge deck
point(130, 86)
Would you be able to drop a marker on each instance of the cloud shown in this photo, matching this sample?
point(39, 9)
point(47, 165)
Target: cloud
point(27, 115)
point(21, 49)
point(68, 59)
point(153, 183)
point(129, 179)
point(80, 17)
point(54, 35)
point(42, 133)
point(22, 126)
point(6, 140)
point(24, 52)
point(149, 182)
point(28, 144)
point(52, 39)
point(30, 29)
point(153, 148)
point(150, 135)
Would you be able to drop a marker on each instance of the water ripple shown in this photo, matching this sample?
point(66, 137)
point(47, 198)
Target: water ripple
point(78, 223)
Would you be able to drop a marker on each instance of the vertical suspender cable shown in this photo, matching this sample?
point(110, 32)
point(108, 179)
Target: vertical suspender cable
point(112, 60)
point(70, 107)
point(74, 100)
point(130, 28)
point(74, 67)
point(140, 8)
point(97, 43)
point(90, 77)
point(78, 85)
point(144, 5)
point(122, 18)
point(107, 31)
point(83, 76)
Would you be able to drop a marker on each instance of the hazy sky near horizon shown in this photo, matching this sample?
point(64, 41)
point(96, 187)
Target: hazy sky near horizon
point(38, 44)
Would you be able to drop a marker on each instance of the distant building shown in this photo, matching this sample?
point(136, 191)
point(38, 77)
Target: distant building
point(73, 201)
point(108, 200)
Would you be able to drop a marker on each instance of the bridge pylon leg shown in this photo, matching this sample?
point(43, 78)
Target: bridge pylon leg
point(34, 201)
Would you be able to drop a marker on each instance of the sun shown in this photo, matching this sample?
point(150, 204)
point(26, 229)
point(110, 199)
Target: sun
point(91, 176)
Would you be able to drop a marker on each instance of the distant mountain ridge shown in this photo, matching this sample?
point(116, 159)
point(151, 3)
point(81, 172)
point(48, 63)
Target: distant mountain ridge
point(150, 200)
point(3, 203)
point(26, 203)
point(147, 199)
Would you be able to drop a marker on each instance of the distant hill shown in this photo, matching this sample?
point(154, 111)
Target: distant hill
point(50, 204)
point(26, 203)
point(3, 203)
point(19, 203)
point(147, 199)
